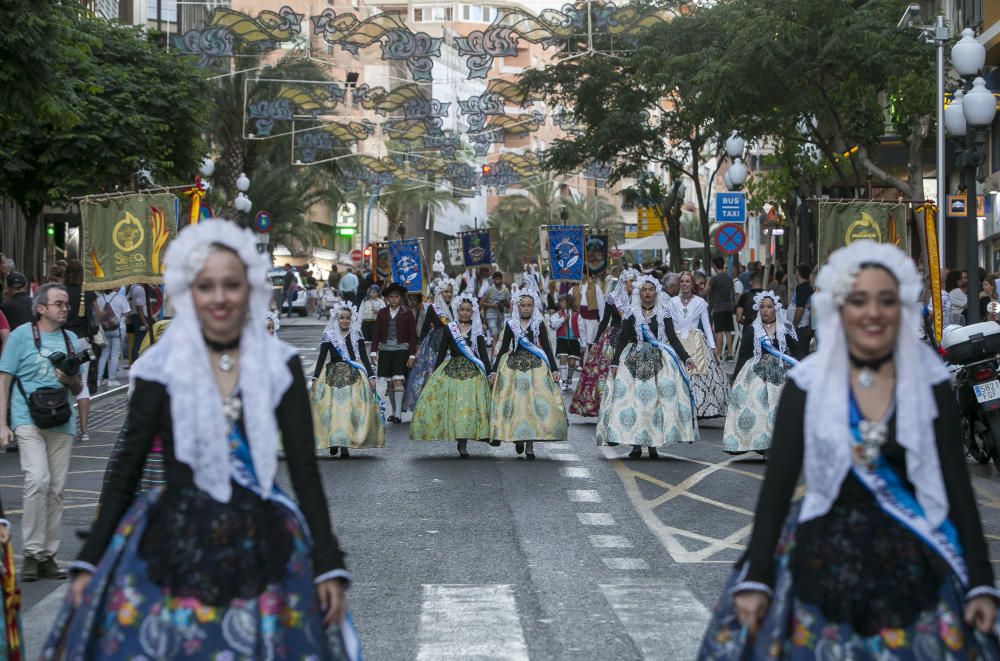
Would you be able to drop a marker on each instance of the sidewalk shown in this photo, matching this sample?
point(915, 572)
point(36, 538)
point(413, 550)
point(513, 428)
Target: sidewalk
point(296, 320)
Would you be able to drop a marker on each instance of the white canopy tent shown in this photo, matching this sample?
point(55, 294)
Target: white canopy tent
point(658, 242)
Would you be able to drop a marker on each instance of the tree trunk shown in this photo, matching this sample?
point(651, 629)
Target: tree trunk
point(32, 265)
point(672, 231)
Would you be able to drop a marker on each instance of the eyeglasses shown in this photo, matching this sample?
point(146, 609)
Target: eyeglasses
point(58, 304)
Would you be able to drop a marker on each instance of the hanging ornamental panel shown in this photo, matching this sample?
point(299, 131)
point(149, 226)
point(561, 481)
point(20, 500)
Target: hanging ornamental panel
point(226, 27)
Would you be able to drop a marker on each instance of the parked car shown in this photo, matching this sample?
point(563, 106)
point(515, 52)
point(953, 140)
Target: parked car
point(277, 276)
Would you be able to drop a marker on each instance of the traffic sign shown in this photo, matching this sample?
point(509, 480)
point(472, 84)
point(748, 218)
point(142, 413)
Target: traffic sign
point(731, 207)
point(262, 222)
point(730, 238)
point(357, 255)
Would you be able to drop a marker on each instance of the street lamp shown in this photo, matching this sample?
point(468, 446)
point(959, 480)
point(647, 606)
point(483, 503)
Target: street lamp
point(207, 167)
point(978, 107)
point(242, 203)
point(737, 174)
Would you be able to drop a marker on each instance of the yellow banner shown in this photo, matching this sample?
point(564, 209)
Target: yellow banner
point(933, 267)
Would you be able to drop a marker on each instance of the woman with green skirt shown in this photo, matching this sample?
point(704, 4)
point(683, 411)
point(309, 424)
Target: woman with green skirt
point(346, 411)
point(455, 402)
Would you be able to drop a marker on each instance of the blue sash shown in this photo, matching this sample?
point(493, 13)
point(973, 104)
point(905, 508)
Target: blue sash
point(361, 368)
point(466, 350)
point(530, 347)
point(647, 335)
point(898, 502)
point(766, 345)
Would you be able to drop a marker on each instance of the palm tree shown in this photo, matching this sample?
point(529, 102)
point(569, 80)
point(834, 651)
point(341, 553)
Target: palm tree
point(517, 218)
point(407, 203)
point(599, 214)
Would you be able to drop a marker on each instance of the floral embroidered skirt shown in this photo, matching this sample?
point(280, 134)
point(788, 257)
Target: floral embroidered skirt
point(589, 391)
point(753, 404)
point(12, 639)
point(344, 410)
point(647, 403)
point(423, 367)
point(875, 575)
point(527, 405)
point(455, 404)
point(126, 615)
point(708, 381)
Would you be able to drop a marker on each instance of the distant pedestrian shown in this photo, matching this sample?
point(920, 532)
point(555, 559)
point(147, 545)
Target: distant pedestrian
point(720, 301)
point(287, 283)
point(78, 318)
point(349, 286)
point(494, 303)
point(18, 309)
point(111, 309)
point(369, 310)
point(801, 300)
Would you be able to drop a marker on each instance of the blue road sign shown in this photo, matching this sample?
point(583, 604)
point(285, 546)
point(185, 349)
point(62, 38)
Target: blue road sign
point(730, 239)
point(731, 207)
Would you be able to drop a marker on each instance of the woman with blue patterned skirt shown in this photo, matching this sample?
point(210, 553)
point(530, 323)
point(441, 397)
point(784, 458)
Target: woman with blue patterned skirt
point(769, 348)
point(436, 319)
point(527, 403)
point(648, 400)
point(219, 563)
point(345, 409)
point(884, 556)
point(455, 403)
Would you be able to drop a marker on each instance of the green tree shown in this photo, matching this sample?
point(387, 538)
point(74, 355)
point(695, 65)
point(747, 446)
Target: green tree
point(517, 218)
point(599, 214)
point(134, 106)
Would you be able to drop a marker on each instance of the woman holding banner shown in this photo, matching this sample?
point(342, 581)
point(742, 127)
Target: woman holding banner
point(527, 403)
point(648, 402)
point(436, 319)
point(690, 317)
point(769, 348)
point(455, 403)
point(345, 409)
point(587, 398)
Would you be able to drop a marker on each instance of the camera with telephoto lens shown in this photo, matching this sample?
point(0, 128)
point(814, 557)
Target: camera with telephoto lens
point(70, 365)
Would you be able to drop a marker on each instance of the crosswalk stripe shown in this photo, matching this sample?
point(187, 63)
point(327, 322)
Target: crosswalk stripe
point(470, 622)
point(584, 496)
point(664, 619)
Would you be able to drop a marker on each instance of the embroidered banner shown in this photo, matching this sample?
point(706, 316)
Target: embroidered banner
point(380, 262)
point(125, 239)
point(566, 252)
point(477, 249)
point(597, 254)
point(842, 222)
point(404, 259)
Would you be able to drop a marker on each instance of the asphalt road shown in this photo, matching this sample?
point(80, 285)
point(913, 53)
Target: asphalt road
point(582, 554)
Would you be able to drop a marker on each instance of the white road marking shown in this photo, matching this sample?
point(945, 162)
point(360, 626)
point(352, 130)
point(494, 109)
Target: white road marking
point(626, 564)
point(610, 542)
point(566, 456)
point(664, 619)
point(575, 471)
point(595, 519)
point(470, 622)
point(584, 496)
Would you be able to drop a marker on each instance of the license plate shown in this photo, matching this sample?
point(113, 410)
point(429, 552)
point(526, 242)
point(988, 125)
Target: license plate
point(987, 392)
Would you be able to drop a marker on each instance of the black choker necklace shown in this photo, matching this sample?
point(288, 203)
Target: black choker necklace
point(866, 377)
point(225, 360)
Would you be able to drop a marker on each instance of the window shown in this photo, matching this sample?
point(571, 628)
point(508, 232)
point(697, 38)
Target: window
point(432, 14)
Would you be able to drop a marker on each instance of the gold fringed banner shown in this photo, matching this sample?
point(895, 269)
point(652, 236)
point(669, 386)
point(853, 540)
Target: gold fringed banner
point(841, 222)
point(933, 267)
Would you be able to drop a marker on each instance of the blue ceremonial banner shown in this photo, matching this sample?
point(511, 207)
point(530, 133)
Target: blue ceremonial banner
point(476, 248)
point(404, 259)
point(566, 253)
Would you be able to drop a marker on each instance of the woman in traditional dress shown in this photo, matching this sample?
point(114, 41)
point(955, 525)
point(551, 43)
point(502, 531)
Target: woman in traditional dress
point(346, 411)
point(768, 349)
point(589, 391)
point(455, 403)
point(884, 557)
point(527, 404)
point(649, 402)
point(220, 562)
point(436, 318)
point(691, 321)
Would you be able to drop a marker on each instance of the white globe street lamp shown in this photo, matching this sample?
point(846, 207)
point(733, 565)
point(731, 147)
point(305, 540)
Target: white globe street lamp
point(968, 55)
point(727, 180)
point(738, 173)
point(207, 167)
point(954, 116)
point(735, 145)
point(979, 105)
point(243, 183)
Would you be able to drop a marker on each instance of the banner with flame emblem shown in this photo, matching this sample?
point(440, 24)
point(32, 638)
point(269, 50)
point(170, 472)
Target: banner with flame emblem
point(125, 239)
point(842, 222)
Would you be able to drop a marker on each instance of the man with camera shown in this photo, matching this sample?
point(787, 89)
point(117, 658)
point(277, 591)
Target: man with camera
point(39, 379)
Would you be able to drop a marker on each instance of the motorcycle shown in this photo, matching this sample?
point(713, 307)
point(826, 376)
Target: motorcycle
point(973, 354)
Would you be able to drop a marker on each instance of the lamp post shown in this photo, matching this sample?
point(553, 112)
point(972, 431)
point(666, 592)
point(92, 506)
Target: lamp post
point(978, 107)
point(242, 202)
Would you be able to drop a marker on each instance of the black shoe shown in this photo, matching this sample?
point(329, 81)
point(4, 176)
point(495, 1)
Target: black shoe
point(519, 447)
point(395, 419)
point(48, 568)
point(334, 451)
point(636, 452)
point(653, 454)
point(29, 569)
point(530, 456)
point(495, 443)
point(344, 454)
point(462, 453)
point(12, 448)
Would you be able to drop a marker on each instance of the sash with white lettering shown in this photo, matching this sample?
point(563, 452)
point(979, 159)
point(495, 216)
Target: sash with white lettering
point(466, 350)
point(360, 367)
point(784, 357)
point(648, 336)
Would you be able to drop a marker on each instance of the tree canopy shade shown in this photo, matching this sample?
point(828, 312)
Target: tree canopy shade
point(132, 105)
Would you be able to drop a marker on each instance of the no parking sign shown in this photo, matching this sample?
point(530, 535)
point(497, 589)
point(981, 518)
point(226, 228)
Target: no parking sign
point(730, 238)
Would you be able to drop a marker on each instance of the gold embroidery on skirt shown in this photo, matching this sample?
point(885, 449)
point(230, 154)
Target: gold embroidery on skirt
point(339, 375)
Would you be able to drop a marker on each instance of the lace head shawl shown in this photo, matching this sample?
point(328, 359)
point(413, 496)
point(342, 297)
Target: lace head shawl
point(180, 361)
point(439, 305)
point(335, 336)
point(477, 322)
point(528, 290)
point(619, 296)
point(660, 310)
point(782, 329)
point(825, 377)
